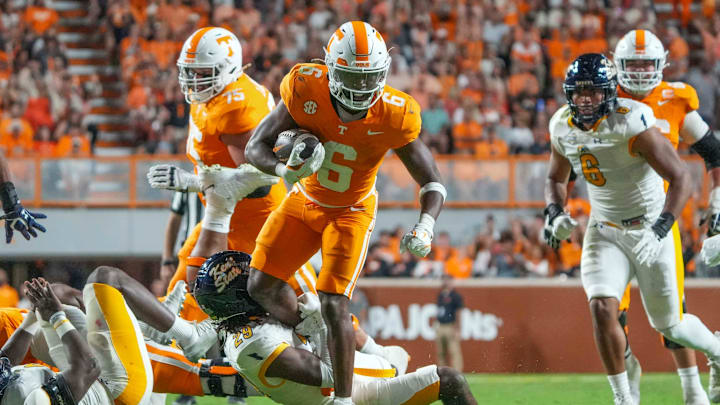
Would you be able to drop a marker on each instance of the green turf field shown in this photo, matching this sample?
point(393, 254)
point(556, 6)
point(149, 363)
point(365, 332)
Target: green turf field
point(549, 389)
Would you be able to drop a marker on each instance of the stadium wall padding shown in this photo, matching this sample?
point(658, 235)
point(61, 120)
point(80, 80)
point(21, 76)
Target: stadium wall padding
point(520, 326)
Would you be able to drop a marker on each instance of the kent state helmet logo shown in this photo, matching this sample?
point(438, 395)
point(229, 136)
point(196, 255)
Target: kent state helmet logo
point(310, 107)
point(608, 65)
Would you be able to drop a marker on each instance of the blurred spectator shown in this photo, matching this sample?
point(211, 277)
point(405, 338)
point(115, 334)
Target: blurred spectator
point(435, 125)
point(447, 328)
point(16, 133)
point(8, 295)
point(468, 131)
point(491, 146)
point(39, 17)
point(707, 85)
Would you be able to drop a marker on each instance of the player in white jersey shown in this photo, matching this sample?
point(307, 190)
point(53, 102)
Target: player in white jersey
point(279, 362)
point(290, 369)
point(624, 158)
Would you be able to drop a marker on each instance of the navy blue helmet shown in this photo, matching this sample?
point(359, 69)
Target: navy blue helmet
point(591, 71)
point(221, 287)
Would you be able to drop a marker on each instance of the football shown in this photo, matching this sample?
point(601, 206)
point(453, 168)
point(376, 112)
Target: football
point(287, 140)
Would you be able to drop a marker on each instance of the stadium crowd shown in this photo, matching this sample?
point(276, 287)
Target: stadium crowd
point(488, 75)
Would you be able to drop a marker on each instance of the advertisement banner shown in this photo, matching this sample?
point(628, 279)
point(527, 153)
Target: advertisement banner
point(525, 326)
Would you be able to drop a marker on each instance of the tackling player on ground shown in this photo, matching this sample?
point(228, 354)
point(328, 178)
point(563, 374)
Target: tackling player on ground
point(613, 142)
point(640, 59)
point(358, 119)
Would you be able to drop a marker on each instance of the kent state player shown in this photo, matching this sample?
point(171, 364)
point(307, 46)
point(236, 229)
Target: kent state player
point(358, 119)
point(286, 368)
point(226, 105)
point(16, 216)
point(640, 59)
point(614, 144)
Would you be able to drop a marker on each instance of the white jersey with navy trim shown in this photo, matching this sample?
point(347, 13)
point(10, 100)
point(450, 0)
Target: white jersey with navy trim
point(622, 187)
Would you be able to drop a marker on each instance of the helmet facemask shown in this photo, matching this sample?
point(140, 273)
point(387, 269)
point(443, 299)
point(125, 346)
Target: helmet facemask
point(357, 88)
point(589, 103)
point(200, 82)
point(640, 75)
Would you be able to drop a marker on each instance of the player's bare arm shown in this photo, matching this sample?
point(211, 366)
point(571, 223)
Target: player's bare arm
point(83, 370)
point(297, 365)
point(663, 158)
point(557, 178)
point(259, 149)
point(420, 162)
point(236, 144)
point(558, 223)
point(4, 170)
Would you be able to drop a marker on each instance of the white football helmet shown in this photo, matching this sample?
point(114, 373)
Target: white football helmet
point(358, 63)
point(215, 50)
point(639, 45)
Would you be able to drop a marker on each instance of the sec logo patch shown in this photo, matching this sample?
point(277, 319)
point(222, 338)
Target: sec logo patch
point(310, 107)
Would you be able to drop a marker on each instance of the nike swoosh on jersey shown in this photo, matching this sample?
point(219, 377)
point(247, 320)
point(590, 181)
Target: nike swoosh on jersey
point(374, 132)
point(663, 102)
point(353, 209)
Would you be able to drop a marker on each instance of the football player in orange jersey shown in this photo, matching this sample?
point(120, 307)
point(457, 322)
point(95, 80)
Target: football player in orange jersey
point(358, 119)
point(640, 58)
point(226, 105)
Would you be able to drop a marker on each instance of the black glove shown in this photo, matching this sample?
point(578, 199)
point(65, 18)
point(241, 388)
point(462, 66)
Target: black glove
point(16, 216)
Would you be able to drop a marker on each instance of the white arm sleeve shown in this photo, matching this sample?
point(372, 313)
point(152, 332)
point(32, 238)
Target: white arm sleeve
point(693, 128)
point(55, 348)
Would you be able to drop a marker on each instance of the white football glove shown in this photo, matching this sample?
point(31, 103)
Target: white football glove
point(713, 213)
point(312, 320)
point(710, 252)
point(648, 245)
point(418, 240)
point(171, 177)
point(234, 183)
point(558, 227)
point(296, 168)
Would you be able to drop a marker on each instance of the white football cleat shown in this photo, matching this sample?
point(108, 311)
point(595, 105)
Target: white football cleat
point(626, 399)
point(714, 384)
point(634, 372)
point(204, 337)
point(398, 358)
point(173, 302)
point(696, 398)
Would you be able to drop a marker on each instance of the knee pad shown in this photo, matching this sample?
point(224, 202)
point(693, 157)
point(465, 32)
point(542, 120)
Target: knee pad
point(669, 344)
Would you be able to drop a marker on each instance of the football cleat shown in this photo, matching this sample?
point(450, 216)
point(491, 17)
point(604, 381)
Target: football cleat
point(204, 337)
point(398, 358)
point(634, 372)
point(623, 399)
point(173, 302)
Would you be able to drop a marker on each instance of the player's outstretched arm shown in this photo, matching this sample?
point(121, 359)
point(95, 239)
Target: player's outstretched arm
point(420, 163)
point(259, 149)
point(84, 369)
point(16, 216)
point(663, 158)
point(300, 366)
point(558, 224)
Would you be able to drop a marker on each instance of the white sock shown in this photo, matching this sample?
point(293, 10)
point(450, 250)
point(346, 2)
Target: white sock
point(690, 380)
point(370, 347)
point(216, 219)
point(183, 331)
point(692, 333)
point(619, 383)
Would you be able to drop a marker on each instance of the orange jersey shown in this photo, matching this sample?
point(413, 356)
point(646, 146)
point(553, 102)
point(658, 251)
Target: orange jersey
point(10, 320)
point(670, 102)
point(238, 109)
point(353, 150)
